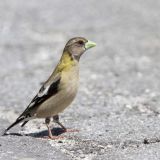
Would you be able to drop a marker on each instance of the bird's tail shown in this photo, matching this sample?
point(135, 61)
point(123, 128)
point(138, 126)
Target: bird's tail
point(19, 119)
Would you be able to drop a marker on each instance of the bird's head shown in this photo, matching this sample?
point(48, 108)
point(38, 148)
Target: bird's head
point(77, 46)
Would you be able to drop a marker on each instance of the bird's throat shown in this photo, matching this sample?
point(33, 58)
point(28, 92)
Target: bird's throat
point(66, 62)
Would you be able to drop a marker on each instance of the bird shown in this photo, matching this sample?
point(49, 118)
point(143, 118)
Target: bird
point(60, 89)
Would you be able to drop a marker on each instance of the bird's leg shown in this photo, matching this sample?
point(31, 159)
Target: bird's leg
point(47, 121)
point(50, 135)
point(56, 120)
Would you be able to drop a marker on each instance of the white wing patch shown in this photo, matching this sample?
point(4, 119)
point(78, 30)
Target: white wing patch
point(40, 94)
point(31, 104)
point(43, 92)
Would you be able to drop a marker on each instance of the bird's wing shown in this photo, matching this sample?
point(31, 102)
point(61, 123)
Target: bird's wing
point(45, 92)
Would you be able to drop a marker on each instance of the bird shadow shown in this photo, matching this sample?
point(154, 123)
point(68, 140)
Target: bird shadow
point(41, 134)
point(55, 131)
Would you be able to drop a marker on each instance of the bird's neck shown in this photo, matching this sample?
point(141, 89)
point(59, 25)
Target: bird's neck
point(67, 62)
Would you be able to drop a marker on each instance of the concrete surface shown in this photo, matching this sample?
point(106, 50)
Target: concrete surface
point(118, 104)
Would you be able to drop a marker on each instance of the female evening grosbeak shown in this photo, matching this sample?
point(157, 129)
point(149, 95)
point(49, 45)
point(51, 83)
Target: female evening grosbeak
point(60, 89)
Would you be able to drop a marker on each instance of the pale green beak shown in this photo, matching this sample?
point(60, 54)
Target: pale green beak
point(89, 44)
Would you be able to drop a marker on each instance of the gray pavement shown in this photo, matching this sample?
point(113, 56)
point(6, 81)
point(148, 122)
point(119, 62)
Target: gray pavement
point(118, 104)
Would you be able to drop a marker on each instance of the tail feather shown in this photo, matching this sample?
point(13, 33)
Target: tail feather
point(20, 119)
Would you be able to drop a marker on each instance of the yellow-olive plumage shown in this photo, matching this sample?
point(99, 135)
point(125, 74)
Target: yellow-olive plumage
point(60, 89)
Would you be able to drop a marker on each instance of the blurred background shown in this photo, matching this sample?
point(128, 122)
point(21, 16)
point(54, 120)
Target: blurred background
point(117, 106)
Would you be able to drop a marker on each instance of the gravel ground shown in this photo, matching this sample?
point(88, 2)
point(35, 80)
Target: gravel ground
point(117, 109)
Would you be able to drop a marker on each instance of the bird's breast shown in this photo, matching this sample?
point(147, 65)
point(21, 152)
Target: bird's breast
point(67, 91)
point(70, 82)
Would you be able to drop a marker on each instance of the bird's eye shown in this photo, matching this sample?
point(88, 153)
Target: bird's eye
point(80, 42)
